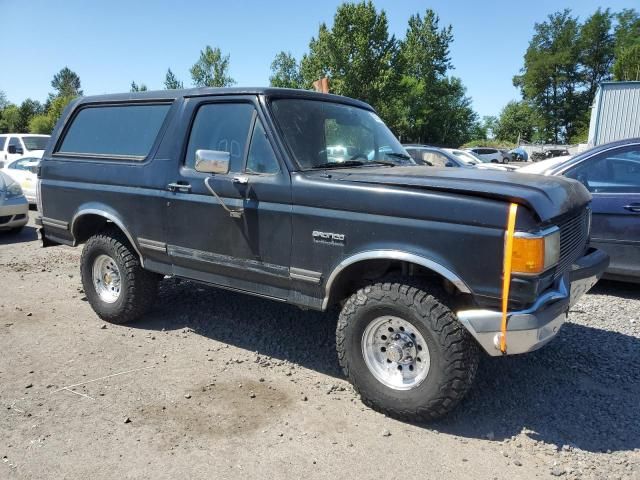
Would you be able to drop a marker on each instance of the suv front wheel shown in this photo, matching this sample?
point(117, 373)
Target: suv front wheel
point(117, 287)
point(404, 351)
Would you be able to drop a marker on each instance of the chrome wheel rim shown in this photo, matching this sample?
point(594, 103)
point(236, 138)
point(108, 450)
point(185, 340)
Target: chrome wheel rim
point(107, 280)
point(395, 352)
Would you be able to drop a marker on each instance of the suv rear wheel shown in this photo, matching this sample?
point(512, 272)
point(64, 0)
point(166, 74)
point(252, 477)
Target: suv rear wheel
point(117, 287)
point(404, 351)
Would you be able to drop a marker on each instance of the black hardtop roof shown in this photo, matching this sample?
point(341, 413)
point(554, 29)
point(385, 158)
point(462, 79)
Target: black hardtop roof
point(206, 91)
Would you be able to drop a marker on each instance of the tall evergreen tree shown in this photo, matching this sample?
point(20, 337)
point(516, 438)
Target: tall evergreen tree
point(550, 79)
point(211, 69)
point(285, 72)
point(66, 83)
point(171, 82)
point(358, 55)
point(138, 88)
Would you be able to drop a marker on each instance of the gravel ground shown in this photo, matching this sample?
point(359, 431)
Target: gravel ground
point(213, 383)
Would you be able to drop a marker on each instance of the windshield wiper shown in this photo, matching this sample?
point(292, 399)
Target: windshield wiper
point(381, 162)
point(345, 164)
point(398, 155)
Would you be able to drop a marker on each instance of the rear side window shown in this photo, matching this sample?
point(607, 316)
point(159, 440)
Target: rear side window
point(115, 130)
point(3, 140)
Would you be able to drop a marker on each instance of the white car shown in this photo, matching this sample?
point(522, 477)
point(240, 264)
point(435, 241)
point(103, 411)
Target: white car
point(25, 172)
point(492, 154)
point(476, 161)
point(14, 209)
point(543, 167)
point(16, 145)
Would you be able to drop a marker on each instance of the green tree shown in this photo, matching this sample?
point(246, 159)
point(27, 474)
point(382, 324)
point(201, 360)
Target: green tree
point(44, 123)
point(171, 82)
point(627, 66)
point(10, 119)
point(27, 110)
point(516, 121)
point(211, 69)
point(627, 46)
point(66, 83)
point(434, 107)
point(455, 113)
point(627, 30)
point(285, 72)
point(4, 103)
point(138, 88)
point(596, 46)
point(550, 79)
point(358, 56)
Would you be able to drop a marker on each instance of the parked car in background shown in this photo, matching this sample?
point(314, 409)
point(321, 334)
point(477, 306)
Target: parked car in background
point(492, 154)
point(611, 172)
point(16, 145)
point(14, 207)
point(433, 156)
point(519, 154)
point(506, 156)
point(25, 172)
point(476, 161)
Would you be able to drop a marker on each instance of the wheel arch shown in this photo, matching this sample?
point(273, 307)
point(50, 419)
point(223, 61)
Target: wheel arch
point(91, 219)
point(338, 280)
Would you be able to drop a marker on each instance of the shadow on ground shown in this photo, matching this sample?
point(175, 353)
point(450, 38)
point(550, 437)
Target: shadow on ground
point(27, 234)
point(583, 389)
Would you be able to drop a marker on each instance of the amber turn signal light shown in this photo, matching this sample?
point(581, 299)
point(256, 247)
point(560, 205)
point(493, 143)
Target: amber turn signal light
point(533, 254)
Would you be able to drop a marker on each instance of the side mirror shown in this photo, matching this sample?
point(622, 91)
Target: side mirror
point(212, 161)
point(449, 164)
point(14, 149)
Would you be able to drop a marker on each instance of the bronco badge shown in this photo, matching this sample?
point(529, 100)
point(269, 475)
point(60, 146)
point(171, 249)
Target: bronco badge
point(326, 237)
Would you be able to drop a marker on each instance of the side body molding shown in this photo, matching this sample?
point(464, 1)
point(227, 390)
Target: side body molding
point(392, 255)
point(112, 218)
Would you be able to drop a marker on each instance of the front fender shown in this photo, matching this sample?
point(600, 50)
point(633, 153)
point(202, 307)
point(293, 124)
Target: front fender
point(399, 255)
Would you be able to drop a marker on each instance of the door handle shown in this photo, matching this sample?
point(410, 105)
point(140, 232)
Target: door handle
point(241, 180)
point(633, 207)
point(179, 187)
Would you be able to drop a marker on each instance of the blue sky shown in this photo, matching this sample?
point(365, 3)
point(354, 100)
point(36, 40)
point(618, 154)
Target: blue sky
point(109, 43)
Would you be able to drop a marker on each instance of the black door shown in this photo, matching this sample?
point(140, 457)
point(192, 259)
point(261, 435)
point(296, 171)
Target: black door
point(613, 178)
point(241, 239)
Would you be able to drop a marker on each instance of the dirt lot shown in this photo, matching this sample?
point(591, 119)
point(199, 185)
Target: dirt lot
point(213, 384)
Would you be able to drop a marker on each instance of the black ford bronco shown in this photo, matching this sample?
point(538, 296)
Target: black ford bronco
point(309, 199)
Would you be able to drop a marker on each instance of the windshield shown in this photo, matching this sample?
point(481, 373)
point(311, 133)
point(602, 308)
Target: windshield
point(35, 143)
point(332, 135)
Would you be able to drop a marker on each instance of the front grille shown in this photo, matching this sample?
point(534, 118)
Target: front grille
point(574, 234)
point(5, 219)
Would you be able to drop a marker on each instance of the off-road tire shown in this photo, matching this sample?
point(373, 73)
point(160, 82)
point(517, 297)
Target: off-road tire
point(138, 288)
point(454, 354)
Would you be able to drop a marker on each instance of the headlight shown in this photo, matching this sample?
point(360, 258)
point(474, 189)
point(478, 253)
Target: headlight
point(535, 253)
point(13, 190)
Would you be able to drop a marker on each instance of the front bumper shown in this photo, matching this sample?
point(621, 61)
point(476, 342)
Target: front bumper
point(530, 329)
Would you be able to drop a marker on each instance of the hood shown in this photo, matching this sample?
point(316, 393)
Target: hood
point(548, 197)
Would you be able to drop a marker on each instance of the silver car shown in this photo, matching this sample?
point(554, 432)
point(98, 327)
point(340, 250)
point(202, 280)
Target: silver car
point(14, 208)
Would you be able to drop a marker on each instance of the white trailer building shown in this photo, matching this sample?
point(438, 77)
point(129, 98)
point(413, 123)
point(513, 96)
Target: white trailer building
point(615, 114)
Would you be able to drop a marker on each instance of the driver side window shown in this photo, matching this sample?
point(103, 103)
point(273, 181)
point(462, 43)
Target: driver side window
point(615, 173)
point(224, 127)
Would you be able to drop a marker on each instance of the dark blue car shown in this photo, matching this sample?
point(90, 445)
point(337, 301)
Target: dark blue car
point(611, 172)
